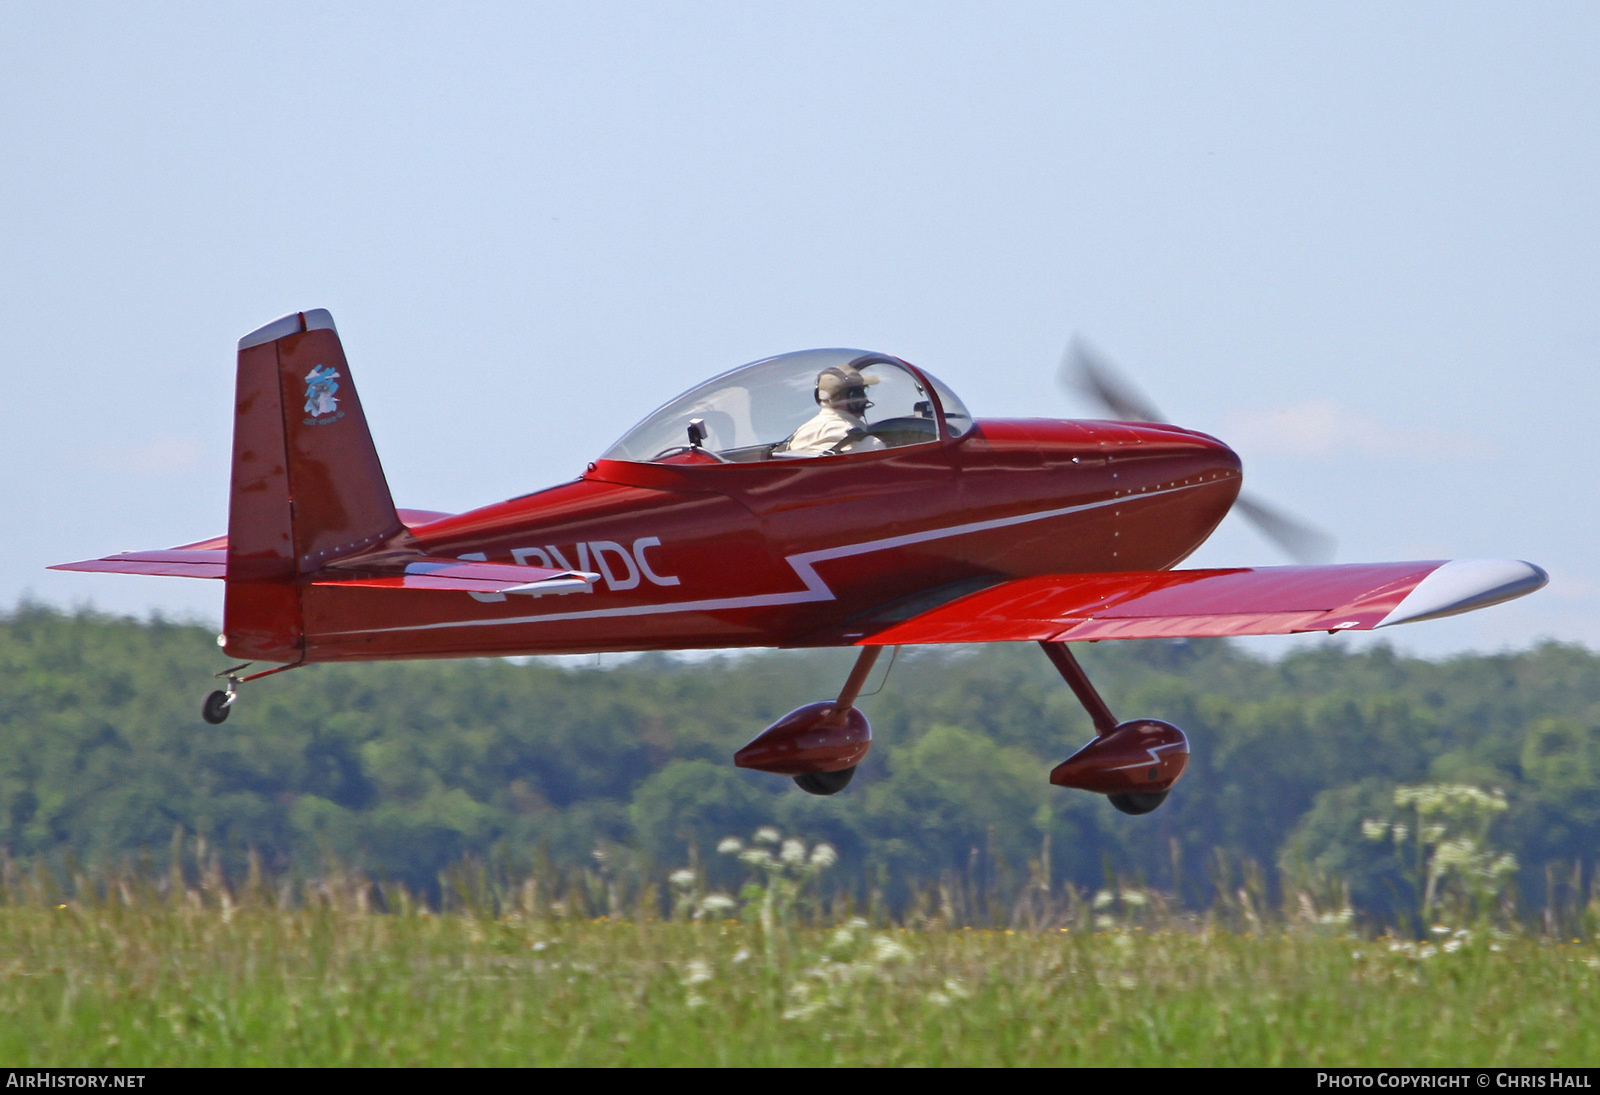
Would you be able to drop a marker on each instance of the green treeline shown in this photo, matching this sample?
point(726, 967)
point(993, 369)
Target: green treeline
point(400, 770)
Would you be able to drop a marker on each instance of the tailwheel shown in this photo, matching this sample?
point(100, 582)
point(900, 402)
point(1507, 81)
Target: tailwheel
point(1138, 802)
point(830, 783)
point(215, 708)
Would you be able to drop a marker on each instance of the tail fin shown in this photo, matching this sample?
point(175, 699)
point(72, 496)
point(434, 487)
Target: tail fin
point(307, 486)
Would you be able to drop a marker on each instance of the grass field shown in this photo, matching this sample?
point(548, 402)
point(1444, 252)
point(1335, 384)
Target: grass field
point(143, 982)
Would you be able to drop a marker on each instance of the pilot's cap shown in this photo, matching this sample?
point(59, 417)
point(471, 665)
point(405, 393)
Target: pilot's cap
point(836, 381)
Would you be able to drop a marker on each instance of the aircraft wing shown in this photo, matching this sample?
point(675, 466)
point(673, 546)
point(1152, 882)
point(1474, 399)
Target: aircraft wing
point(1173, 604)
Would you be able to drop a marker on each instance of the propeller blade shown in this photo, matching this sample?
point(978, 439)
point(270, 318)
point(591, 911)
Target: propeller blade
point(1299, 541)
point(1085, 371)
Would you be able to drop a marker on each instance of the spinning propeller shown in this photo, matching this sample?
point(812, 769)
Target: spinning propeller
point(1087, 373)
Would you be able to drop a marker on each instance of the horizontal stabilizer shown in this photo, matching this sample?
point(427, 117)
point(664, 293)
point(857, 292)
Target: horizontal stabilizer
point(202, 559)
point(463, 576)
point(1193, 604)
point(472, 577)
point(172, 563)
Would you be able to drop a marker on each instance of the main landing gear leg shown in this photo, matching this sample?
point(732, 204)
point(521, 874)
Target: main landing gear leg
point(217, 704)
point(1067, 665)
point(1134, 764)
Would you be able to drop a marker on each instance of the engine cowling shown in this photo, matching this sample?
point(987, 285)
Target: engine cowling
point(813, 738)
point(1140, 756)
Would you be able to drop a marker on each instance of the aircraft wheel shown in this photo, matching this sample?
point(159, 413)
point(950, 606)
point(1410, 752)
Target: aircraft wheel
point(1138, 802)
point(826, 783)
point(215, 708)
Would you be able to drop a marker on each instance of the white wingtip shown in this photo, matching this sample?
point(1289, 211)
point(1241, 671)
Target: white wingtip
point(1462, 585)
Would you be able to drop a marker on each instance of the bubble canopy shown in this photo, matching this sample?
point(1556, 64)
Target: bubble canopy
point(749, 414)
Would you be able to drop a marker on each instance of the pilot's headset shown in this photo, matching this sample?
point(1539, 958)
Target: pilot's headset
point(836, 385)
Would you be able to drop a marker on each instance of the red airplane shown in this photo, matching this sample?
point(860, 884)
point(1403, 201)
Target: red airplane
point(766, 507)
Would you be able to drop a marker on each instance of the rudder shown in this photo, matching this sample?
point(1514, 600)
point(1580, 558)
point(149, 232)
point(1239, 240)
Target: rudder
point(307, 486)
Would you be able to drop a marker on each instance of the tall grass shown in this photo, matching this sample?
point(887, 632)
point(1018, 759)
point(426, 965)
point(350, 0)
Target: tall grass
point(123, 968)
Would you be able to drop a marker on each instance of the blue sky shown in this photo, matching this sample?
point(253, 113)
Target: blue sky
point(1358, 242)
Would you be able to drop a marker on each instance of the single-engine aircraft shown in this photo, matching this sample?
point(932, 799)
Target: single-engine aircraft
point(766, 507)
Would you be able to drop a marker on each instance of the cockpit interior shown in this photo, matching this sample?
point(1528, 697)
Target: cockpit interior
point(752, 413)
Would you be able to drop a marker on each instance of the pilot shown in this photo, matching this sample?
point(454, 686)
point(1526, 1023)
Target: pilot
point(838, 425)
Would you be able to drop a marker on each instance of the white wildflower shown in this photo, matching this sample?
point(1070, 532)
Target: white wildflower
point(886, 949)
point(730, 845)
point(767, 835)
point(696, 972)
point(1133, 897)
point(804, 1006)
point(845, 934)
point(683, 878)
point(823, 856)
point(714, 903)
point(1104, 898)
point(756, 857)
point(793, 853)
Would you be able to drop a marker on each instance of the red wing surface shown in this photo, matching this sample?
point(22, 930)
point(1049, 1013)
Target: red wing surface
point(1173, 604)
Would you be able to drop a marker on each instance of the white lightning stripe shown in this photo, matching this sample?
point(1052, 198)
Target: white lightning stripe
point(1154, 759)
point(804, 564)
